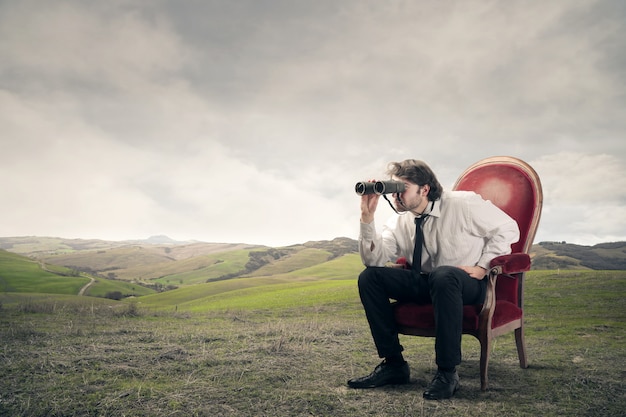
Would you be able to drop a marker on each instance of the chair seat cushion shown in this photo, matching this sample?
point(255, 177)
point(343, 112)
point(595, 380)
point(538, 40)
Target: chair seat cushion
point(421, 315)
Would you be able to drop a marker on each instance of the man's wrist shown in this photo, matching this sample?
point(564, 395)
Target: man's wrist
point(367, 219)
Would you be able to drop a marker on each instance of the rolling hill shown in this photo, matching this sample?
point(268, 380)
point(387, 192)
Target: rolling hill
point(140, 268)
point(19, 274)
point(561, 255)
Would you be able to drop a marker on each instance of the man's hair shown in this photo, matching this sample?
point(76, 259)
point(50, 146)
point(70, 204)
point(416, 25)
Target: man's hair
point(419, 173)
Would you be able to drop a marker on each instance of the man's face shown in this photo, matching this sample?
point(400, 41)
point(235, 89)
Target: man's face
point(413, 198)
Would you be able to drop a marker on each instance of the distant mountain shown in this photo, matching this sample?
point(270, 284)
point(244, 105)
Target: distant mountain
point(37, 245)
point(160, 240)
point(34, 245)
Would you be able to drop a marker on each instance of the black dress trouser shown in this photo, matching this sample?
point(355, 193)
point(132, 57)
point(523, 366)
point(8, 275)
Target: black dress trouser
point(448, 288)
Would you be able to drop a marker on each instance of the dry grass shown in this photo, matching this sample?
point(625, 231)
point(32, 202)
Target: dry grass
point(100, 361)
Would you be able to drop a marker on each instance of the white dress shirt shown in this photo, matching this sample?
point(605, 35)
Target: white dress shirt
point(461, 229)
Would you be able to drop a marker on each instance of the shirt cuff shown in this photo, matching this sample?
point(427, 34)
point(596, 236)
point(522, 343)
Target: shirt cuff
point(368, 231)
point(484, 263)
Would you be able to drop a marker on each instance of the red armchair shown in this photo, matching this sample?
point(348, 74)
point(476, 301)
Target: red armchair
point(514, 186)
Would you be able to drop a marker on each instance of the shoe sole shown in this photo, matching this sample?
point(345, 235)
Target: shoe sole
point(432, 397)
point(402, 381)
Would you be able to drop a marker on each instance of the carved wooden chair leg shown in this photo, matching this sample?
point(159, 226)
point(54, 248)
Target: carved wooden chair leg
point(485, 349)
point(521, 347)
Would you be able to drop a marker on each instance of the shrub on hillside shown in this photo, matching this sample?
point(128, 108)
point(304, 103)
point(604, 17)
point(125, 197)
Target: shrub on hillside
point(114, 295)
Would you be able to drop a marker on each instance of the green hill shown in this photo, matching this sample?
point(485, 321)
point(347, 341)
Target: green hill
point(561, 255)
point(183, 263)
point(204, 268)
point(19, 274)
point(195, 262)
point(64, 266)
point(291, 288)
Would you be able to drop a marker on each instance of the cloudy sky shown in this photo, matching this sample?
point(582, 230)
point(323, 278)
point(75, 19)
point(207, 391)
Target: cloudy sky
point(251, 120)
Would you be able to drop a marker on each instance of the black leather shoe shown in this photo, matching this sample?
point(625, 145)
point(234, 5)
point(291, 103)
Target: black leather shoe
point(383, 374)
point(443, 386)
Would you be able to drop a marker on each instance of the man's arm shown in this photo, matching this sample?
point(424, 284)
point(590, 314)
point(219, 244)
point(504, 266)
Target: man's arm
point(370, 242)
point(497, 228)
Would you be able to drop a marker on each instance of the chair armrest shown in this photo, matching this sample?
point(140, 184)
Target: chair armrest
point(505, 264)
point(510, 264)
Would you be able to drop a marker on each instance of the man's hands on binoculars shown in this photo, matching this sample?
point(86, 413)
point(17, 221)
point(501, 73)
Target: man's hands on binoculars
point(369, 202)
point(370, 192)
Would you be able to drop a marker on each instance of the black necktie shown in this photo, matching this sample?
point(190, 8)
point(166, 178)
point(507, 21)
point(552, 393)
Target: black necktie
point(419, 241)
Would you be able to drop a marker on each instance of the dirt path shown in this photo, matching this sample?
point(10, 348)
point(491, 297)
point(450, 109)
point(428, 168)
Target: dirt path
point(86, 286)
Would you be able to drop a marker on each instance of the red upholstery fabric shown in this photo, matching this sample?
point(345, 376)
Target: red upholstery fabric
point(507, 289)
point(503, 185)
point(421, 315)
point(513, 263)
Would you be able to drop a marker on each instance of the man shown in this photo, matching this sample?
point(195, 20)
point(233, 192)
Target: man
point(462, 233)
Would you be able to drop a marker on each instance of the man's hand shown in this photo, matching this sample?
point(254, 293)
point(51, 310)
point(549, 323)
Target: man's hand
point(369, 202)
point(477, 272)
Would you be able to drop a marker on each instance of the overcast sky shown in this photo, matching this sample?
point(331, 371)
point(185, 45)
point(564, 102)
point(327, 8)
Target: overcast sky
point(250, 121)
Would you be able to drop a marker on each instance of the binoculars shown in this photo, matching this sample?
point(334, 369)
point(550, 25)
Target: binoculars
point(379, 187)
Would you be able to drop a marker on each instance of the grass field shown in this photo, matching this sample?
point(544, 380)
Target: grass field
point(287, 348)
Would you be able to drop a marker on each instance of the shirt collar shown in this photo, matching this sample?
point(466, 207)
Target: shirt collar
point(435, 211)
point(432, 209)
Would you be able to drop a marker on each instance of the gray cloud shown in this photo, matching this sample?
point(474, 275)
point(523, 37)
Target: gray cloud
point(251, 122)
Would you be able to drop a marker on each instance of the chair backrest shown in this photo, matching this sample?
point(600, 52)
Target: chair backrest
point(513, 186)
